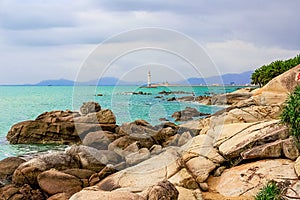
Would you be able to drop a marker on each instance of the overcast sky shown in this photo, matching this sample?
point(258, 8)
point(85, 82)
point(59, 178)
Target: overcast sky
point(55, 39)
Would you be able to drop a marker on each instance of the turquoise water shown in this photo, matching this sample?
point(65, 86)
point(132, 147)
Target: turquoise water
point(19, 103)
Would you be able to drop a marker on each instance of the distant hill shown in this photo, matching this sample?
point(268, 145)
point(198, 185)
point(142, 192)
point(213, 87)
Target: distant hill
point(60, 82)
point(228, 79)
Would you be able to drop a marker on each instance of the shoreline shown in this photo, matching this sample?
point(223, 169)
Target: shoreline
point(176, 160)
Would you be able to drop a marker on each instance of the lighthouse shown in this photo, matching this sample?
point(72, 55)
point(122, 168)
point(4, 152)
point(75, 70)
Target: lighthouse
point(149, 79)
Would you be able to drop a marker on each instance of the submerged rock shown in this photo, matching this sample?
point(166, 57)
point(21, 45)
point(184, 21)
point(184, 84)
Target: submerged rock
point(187, 114)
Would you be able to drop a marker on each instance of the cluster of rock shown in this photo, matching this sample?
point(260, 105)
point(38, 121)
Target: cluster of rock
point(232, 153)
point(187, 114)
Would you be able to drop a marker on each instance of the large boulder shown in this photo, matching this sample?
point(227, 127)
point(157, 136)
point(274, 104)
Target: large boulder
point(277, 90)
point(91, 158)
point(249, 114)
point(230, 98)
point(28, 172)
point(247, 179)
point(253, 135)
point(50, 127)
point(63, 127)
point(154, 170)
point(54, 182)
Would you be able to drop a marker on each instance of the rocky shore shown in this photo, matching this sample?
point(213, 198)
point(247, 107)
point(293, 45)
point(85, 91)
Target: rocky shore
point(228, 155)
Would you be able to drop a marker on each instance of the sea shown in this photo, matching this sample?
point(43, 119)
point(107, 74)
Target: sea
point(20, 103)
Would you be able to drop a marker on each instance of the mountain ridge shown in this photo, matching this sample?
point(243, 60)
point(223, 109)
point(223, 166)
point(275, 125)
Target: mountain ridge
point(226, 79)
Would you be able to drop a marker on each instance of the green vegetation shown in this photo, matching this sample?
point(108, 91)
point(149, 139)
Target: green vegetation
point(291, 113)
point(264, 74)
point(270, 192)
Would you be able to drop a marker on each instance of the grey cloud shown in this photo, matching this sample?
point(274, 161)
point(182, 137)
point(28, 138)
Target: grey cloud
point(28, 15)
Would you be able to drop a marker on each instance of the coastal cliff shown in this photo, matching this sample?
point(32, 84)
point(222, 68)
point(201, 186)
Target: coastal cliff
point(228, 155)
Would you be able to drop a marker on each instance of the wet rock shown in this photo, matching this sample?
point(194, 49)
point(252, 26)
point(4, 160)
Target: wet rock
point(90, 107)
point(54, 182)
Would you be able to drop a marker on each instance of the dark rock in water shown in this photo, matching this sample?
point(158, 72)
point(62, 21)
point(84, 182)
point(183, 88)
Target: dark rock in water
point(7, 168)
point(171, 99)
point(158, 97)
point(90, 107)
point(62, 127)
point(174, 92)
point(163, 119)
point(50, 127)
point(187, 114)
point(141, 93)
point(163, 191)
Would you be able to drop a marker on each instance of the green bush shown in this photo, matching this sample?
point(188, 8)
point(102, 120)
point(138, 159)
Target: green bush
point(269, 192)
point(291, 113)
point(264, 74)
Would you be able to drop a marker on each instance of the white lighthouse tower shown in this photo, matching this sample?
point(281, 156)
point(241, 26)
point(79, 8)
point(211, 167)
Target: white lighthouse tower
point(149, 79)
